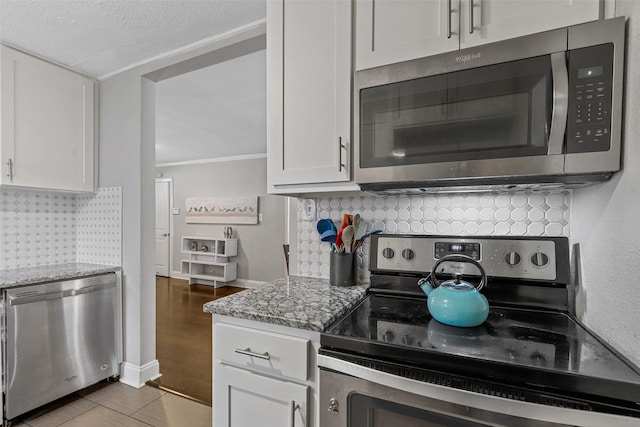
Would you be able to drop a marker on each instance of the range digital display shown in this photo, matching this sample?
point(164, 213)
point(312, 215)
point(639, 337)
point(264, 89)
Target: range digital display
point(456, 247)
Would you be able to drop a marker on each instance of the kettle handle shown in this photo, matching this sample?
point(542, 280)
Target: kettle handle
point(459, 258)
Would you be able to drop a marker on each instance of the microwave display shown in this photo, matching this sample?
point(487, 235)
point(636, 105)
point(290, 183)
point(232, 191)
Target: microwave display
point(589, 118)
point(496, 111)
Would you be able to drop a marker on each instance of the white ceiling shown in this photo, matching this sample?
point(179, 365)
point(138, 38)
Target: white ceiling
point(100, 37)
point(214, 112)
point(210, 113)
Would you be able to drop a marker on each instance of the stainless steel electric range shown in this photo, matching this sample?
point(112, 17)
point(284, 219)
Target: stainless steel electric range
point(531, 363)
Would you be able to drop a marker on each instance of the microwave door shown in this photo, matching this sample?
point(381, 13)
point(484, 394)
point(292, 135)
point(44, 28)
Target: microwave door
point(465, 124)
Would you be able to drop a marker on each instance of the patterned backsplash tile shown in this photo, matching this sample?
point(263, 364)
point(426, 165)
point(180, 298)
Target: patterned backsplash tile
point(37, 228)
point(42, 228)
point(490, 214)
point(99, 227)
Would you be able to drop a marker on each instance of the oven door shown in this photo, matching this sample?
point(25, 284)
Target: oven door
point(356, 396)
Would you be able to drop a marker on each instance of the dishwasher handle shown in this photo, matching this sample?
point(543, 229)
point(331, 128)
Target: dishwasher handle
point(58, 294)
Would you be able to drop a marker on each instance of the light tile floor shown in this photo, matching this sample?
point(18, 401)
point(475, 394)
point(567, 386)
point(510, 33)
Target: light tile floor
point(118, 405)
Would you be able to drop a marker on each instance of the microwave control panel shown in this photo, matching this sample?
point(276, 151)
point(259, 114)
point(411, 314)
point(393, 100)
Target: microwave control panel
point(590, 89)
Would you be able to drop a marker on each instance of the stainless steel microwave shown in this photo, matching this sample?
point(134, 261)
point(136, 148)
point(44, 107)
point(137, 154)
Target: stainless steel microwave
point(537, 111)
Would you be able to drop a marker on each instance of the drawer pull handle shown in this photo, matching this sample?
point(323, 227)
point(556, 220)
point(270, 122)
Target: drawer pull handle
point(247, 352)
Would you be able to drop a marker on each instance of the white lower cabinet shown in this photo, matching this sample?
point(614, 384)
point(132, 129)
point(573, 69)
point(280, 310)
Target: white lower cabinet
point(250, 399)
point(263, 374)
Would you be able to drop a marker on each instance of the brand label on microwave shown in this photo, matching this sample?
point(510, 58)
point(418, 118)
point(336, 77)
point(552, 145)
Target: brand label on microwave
point(462, 59)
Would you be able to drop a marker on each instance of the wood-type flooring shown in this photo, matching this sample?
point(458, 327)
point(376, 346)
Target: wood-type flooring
point(183, 336)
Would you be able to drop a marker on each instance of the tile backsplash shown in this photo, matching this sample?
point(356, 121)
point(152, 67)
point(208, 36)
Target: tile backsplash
point(43, 228)
point(99, 227)
point(490, 214)
point(37, 228)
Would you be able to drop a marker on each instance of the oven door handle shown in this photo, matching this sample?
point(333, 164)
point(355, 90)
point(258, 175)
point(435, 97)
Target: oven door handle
point(560, 102)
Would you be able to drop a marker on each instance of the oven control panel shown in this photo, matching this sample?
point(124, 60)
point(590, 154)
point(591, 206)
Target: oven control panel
point(501, 257)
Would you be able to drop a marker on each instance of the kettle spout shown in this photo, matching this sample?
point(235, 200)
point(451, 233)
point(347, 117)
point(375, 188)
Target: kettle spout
point(425, 286)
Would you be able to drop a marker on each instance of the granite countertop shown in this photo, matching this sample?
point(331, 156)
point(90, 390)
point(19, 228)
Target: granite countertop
point(50, 273)
point(299, 302)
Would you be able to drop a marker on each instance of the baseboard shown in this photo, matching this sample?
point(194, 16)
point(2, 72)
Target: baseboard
point(179, 275)
point(136, 376)
point(246, 283)
point(240, 283)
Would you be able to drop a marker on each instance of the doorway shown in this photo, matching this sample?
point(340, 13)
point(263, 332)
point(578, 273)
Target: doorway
point(185, 139)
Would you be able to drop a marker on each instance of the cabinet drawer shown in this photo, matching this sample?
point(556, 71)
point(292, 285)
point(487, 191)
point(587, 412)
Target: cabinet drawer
point(277, 354)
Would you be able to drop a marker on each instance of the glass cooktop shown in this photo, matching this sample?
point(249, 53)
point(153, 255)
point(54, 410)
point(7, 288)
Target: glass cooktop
point(536, 344)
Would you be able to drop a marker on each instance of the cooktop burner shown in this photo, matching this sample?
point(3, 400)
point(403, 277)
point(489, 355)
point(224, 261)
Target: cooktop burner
point(529, 339)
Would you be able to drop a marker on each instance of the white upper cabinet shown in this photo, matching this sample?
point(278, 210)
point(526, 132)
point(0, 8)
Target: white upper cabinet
point(390, 31)
point(48, 125)
point(309, 92)
point(487, 21)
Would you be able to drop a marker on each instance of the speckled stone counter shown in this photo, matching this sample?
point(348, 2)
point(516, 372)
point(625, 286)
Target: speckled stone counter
point(299, 302)
point(51, 273)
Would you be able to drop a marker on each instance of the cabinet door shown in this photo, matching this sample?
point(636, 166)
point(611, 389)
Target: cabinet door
point(494, 20)
point(47, 125)
point(244, 399)
point(309, 91)
point(389, 31)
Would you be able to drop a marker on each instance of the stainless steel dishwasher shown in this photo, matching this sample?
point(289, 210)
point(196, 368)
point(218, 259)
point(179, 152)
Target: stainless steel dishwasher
point(60, 337)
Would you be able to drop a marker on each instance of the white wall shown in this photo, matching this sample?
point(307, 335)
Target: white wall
point(606, 224)
point(260, 254)
point(127, 160)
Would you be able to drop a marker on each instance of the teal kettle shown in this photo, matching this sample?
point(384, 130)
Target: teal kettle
point(455, 302)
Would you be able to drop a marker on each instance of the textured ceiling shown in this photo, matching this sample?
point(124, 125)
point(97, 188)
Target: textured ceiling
point(218, 111)
point(215, 112)
point(100, 37)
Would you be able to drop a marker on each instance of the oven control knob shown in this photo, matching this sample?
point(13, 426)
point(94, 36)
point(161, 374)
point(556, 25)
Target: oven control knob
point(539, 259)
point(512, 258)
point(388, 253)
point(333, 405)
point(408, 254)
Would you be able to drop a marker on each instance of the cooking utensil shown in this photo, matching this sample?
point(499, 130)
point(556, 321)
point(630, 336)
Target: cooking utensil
point(456, 302)
point(324, 225)
point(347, 238)
point(356, 224)
point(339, 240)
point(328, 236)
point(360, 231)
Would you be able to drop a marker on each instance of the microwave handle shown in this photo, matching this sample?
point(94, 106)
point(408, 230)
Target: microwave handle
point(560, 102)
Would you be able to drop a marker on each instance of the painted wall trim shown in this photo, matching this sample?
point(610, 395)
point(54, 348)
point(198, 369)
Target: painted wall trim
point(175, 274)
point(214, 160)
point(136, 376)
point(185, 49)
point(239, 283)
point(246, 283)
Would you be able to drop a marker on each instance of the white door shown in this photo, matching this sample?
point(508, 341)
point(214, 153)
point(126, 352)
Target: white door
point(494, 20)
point(163, 216)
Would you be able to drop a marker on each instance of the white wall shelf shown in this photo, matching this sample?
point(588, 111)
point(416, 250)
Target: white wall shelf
point(207, 260)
